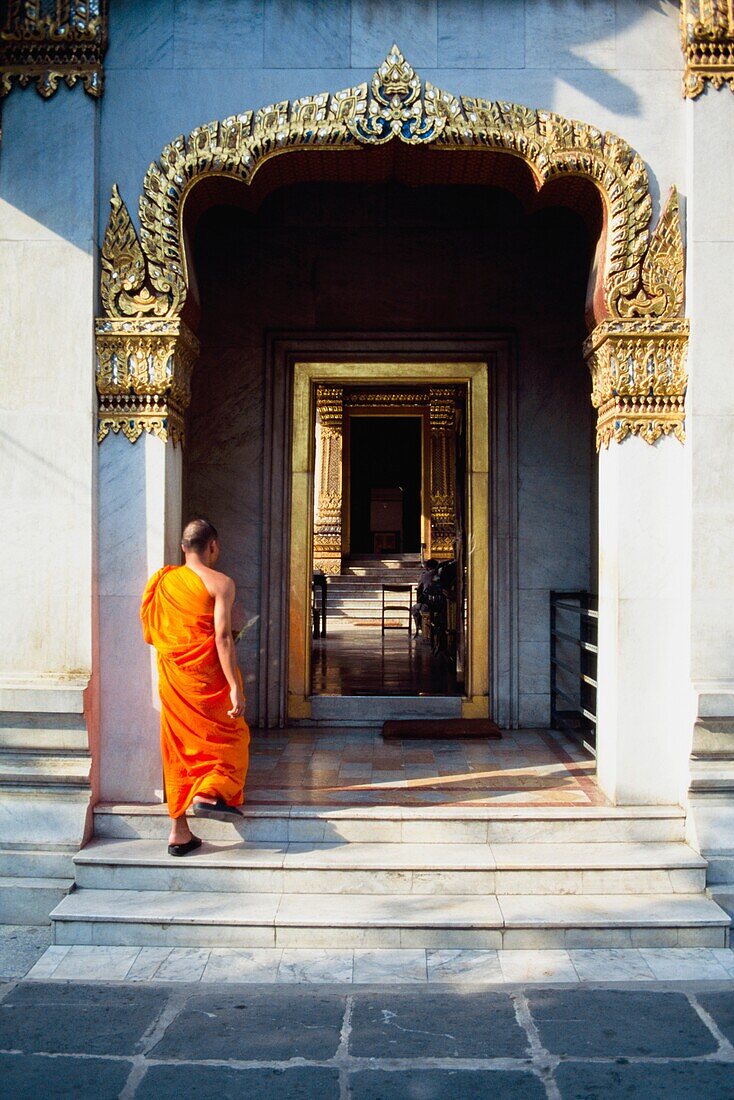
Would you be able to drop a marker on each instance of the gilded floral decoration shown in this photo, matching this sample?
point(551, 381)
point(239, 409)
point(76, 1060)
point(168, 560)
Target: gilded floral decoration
point(49, 41)
point(146, 276)
point(707, 33)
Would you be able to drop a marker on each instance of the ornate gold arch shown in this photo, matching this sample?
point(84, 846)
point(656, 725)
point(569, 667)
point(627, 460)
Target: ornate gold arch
point(636, 352)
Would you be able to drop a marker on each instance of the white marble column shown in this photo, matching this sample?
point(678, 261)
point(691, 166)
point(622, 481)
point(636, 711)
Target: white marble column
point(644, 697)
point(139, 531)
point(710, 402)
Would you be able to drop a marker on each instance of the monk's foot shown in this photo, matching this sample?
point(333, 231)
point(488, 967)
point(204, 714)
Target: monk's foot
point(218, 809)
point(184, 849)
point(208, 800)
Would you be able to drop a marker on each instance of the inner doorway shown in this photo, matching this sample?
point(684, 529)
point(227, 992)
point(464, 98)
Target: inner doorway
point(384, 475)
point(381, 472)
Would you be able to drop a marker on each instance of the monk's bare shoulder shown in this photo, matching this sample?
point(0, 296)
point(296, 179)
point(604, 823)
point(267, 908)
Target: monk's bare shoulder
point(217, 584)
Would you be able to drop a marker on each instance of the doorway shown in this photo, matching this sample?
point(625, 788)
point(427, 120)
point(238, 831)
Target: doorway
point(421, 462)
point(384, 468)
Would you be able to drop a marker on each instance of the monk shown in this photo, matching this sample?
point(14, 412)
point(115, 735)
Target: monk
point(187, 615)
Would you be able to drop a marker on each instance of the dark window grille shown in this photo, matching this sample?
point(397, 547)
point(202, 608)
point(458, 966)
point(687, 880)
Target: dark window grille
point(574, 648)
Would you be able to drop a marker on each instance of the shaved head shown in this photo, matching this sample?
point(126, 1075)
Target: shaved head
point(197, 534)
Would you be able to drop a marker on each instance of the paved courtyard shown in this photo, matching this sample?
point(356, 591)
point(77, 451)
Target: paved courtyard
point(576, 1025)
point(371, 1042)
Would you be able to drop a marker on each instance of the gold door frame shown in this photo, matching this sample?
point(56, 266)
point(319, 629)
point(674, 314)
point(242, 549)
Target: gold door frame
point(364, 412)
point(306, 376)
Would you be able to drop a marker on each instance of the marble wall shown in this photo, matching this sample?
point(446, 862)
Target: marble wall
point(316, 259)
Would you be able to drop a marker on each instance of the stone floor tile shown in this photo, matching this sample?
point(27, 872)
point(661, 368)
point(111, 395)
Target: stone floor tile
point(29, 1077)
point(440, 1083)
point(146, 964)
point(174, 1082)
point(683, 963)
point(48, 962)
point(183, 964)
point(435, 1023)
point(315, 965)
point(96, 963)
point(242, 965)
point(610, 965)
point(720, 1006)
point(615, 1023)
point(257, 1024)
point(78, 1017)
point(21, 947)
point(383, 966)
point(537, 966)
point(463, 965)
point(671, 1081)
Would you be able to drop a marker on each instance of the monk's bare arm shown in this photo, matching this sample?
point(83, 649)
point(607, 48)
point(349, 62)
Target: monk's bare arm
point(223, 600)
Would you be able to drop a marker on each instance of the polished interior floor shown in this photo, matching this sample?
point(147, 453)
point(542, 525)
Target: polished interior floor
point(361, 660)
point(339, 767)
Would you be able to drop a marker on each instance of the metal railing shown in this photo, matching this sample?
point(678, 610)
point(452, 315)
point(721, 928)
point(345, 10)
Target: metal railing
point(574, 647)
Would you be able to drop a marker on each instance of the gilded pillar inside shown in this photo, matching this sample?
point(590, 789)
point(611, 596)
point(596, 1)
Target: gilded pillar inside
point(442, 413)
point(327, 546)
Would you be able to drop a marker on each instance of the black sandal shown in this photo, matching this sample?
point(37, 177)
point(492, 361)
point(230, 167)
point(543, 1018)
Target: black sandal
point(219, 810)
point(184, 849)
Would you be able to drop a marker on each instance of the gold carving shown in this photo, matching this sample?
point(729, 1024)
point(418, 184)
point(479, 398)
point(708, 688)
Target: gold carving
point(659, 290)
point(328, 521)
point(143, 377)
point(642, 278)
point(639, 379)
point(442, 414)
point(52, 40)
point(396, 106)
point(707, 32)
point(124, 283)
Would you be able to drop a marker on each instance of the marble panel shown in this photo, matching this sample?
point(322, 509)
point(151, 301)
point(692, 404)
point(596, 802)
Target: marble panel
point(315, 966)
point(226, 35)
point(610, 965)
point(390, 967)
point(465, 939)
point(230, 965)
point(463, 965)
point(49, 962)
point(569, 34)
point(146, 963)
point(481, 34)
point(534, 614)
point(683, 964)
point(30, 209)
point(534, 671)
point(315, 35)
point(553, 516)
point(647, 35)
point(140, 35)
point(534, 711)
point(711, 137)
point(183, 964)
point(338, 939)
point(537, 966)
point(598, 939)
point(377, 24)
point(96, 963)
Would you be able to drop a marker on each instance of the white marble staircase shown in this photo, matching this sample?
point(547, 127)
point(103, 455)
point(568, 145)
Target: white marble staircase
point(395, 877)
point(44, 796)
point(355, 596)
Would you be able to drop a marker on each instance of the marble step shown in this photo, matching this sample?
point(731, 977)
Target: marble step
point(207, 919)
point(356, 868)
point(415, 825)
point(715, 775)
point(50, 769)
point(47, 862)
point(30, 900)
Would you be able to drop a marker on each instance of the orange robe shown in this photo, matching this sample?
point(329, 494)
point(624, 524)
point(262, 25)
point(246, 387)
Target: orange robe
point(204, 751)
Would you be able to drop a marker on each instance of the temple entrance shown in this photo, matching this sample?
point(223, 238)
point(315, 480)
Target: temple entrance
point(388, 601)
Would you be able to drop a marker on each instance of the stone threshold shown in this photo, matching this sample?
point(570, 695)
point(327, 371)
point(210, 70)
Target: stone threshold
point(418, 966)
